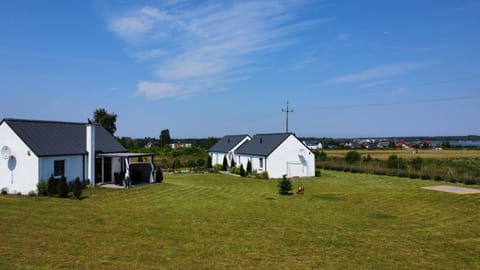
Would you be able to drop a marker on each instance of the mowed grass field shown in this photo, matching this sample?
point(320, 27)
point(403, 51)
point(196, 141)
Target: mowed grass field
point(214, 221)
point(408, 153)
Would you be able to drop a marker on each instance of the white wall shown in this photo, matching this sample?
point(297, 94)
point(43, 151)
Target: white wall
point(21, 173)
point(292, 158)
point(73, 167)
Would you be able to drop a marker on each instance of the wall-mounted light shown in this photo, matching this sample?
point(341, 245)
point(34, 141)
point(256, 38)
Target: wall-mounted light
point(29, 153)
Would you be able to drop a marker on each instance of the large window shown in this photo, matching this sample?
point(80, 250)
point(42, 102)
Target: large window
point(59, 167)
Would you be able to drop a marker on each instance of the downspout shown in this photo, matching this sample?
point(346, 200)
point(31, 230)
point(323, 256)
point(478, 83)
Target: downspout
point(91, 153)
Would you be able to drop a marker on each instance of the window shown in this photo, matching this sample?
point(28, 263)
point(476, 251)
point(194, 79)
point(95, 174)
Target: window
point(59, 167)
point(261, 163)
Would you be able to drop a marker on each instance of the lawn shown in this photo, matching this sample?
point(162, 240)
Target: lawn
point(409, 153)
point(213, 221)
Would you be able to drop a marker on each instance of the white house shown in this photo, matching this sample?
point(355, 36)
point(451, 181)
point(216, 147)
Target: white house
point(278, 154)
point(32, 151)
point(226, 147)
point(313, 145)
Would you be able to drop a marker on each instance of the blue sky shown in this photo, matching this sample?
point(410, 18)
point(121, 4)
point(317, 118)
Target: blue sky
point(210, 68)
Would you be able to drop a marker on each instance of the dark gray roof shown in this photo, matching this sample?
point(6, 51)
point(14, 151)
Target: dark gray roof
point(262, 144)
point(227, 143)
point(49, 138)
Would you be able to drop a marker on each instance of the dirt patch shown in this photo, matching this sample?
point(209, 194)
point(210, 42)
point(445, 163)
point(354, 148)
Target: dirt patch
point(453, 189)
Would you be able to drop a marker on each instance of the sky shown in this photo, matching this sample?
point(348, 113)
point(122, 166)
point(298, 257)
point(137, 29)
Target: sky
point(214, 68)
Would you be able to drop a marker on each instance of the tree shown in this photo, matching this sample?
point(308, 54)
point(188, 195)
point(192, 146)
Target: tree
point(165, 137)
point(242, 171)
point(106, 120)
point(285, 186)
point(352, 157)
point(62, 187)
point(224, 164)
point(77, 188)
point(52, 186)
point(209, 162)
point(232, 163)
point(249, 167)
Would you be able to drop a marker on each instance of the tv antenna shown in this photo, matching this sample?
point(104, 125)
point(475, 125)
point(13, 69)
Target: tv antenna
point(286, 111)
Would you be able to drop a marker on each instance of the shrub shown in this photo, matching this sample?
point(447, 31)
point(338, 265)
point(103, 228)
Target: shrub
point(352, 157)
point(77, 188)
point(367, 158)
point(209, 162)
point(52, 189)
point(318, 173)
point(217, 167)
point(417, 163)
point(4, 191)
point(285, 186)
point(42, 188)
point(224, 164)
point(201, 162)
point(242, 171)
point(425, 176)
point(471, 182)
point(191, 163)
point(62, 187)
point(176, 164)
point(413, 176)
point(402, 174)
point(249, 167)
point(232, 163)
point(322, 156)
point(395, 162)
point(262, 175)
point(32, 193)
point(438, 178)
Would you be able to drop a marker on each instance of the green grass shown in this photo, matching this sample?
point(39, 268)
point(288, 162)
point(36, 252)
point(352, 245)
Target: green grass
point(344, 221)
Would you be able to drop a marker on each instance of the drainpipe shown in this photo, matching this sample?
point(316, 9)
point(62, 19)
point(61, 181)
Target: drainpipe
point(91, 153)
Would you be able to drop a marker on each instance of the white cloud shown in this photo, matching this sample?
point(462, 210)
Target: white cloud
point(209, 42)
point(383, 71)
point(374, 83)
point(157, 90)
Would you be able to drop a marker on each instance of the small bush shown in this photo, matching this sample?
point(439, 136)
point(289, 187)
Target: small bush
point(262, 175)
point(402, 174)
point(285, 186)
point(413, 176)
point(224, 164)
point(243, 173)
point(4, 191)
point(158, 176)
point(352, 157)
point(318, 173)
point(249, 167)
point(191, 163)
point(209, 162)
point(425, 176)
point(217, 167)
point(42, 188)
point(77, 188)
point(201, 162)
point(52, 189)
point(471, 182)
point(438, 178)
point(62, 187)
point(32, 193)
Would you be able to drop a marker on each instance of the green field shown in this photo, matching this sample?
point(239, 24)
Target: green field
point(213, 221)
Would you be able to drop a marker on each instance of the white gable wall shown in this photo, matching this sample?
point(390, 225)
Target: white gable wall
point(292, 158)
point(20, 173)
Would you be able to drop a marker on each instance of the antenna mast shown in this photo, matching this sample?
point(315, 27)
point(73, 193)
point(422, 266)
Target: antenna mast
point(286, 111)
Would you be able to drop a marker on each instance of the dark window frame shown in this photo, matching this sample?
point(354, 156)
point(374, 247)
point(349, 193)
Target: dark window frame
point(59, 167)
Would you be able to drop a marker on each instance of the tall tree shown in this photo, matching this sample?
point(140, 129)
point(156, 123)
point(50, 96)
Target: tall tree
point(165, 137)
point(106, 120)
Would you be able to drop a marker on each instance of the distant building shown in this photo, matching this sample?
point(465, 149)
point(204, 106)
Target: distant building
point(180, 145)
point(313, 145)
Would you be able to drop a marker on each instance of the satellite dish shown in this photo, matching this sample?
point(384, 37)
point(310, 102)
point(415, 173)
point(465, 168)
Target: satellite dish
point(5, 152)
